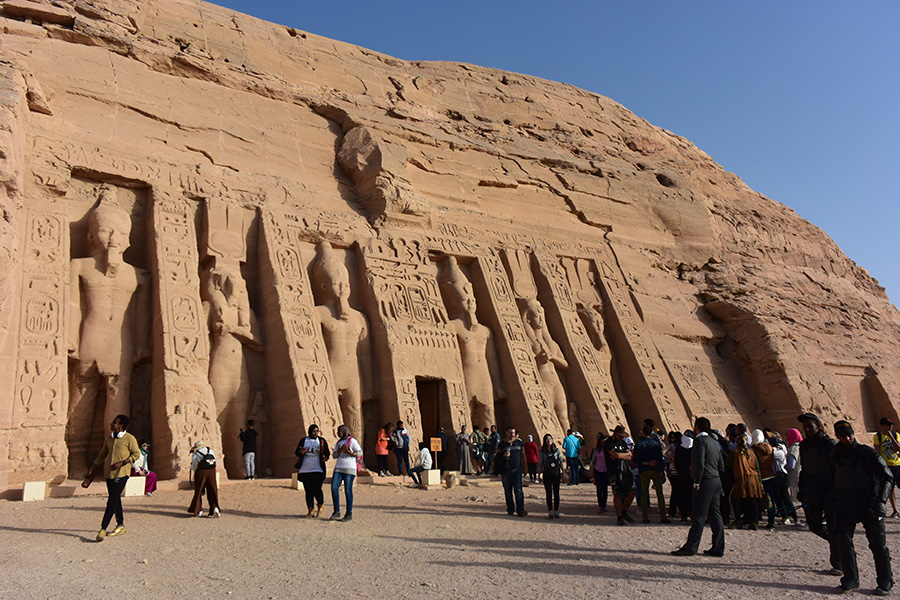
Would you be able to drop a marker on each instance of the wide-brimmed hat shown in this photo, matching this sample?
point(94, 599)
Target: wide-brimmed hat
point(197, 446)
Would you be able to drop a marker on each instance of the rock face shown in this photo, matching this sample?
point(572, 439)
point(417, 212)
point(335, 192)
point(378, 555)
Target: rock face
point(209, 218)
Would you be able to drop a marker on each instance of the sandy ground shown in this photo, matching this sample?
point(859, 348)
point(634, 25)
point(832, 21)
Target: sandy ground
point(402, 543)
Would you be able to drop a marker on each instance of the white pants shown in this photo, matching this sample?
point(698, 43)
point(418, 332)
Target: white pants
point(250, 463)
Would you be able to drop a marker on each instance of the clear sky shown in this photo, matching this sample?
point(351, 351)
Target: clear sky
point(799, 99)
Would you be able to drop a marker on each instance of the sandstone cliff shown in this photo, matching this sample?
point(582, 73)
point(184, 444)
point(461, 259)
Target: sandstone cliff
point(498, 247)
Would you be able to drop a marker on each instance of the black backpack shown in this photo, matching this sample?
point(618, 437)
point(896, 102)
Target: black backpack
point(207, 461)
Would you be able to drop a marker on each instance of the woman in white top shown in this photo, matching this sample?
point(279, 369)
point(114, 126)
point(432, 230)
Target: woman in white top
point(347, 453)
point(312, 452)
point(141, 468)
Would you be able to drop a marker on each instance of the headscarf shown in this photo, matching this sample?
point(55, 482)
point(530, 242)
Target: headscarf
point(530, 439)
point(793, 436)
point(757, 438)
point(687, 442)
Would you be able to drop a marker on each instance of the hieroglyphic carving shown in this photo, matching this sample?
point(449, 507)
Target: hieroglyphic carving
point(183, 407)
point(40, 392)
point(663, 393)
point(300, 381)
point(535, 404)
point(593, 391)
point(413, 320)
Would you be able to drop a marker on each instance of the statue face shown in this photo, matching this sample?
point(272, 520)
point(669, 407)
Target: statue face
point(338, 287)
point(535, 317)
point(109, 232)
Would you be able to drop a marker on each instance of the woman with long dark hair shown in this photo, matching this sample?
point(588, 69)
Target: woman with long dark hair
point(382, 449)
point(601, 473)
point(550, 465)
point(312, 452)
point(347, 454)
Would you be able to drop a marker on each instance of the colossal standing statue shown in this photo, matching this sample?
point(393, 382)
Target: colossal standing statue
point(346, 334)
point(481, 366)
point(231, 328)
point(109, 327)
point(549, 358)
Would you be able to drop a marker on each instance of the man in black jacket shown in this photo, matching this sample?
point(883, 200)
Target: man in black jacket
point(706, 465)
point(862, 483)
point(816, 489)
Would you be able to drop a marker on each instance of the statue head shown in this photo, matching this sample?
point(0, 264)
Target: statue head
point(533, 313)
point(457, 289)
point(330, 276)
point(109, 228)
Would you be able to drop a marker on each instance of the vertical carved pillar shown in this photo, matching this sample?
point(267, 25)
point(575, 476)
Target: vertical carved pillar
point(589, 381)
point(38, 450)
point(655, 389)
point(527, 399)
point(183, 409)
point(299, 379)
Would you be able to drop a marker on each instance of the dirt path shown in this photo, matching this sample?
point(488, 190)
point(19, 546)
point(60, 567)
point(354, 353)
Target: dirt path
point(402, 543)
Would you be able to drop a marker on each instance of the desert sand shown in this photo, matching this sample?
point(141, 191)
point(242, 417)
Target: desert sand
point(402, 543)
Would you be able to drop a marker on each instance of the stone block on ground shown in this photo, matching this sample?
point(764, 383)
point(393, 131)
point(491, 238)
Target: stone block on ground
point(34, 490)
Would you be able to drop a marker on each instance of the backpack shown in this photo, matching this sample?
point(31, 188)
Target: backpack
point(207, 461)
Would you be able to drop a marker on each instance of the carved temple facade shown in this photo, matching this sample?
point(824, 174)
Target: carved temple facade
point(196, 235)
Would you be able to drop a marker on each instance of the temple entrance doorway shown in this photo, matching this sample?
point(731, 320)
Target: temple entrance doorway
point(434, 408)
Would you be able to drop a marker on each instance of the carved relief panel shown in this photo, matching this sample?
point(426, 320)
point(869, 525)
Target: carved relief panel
point(516, 350)
point(40, 397)
point(183, 407)
point(300, 381)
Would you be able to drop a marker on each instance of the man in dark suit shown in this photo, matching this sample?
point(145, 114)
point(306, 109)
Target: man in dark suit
point(706, 465)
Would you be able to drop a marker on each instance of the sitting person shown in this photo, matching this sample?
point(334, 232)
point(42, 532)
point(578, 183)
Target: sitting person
point(424, 464)
point(141, 467)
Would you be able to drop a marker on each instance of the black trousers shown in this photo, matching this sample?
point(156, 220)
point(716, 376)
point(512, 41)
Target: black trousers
point(874, 528)
point(551, 486)
point(312, 485)
point(706, 501)
point(114, 488)
point(820, 519)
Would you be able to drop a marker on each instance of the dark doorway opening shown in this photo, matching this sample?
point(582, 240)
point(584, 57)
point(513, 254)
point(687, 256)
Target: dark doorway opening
point(434, 409)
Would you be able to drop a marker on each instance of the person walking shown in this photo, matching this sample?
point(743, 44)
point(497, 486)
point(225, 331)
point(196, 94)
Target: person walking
point(490, 453)
point(571, 447)
point(815, 486)
point(601, 472)
point(120, 450)
point(532, 458)
point(312, 452)
point(479, 458)
point(203, 466)
point(550, 465)
point(706, 465)
point(400, 437)
point(621, 479)
point(347, 453)
point(248, 441)
point(648, 454)
point(862, 484)
point(464, 451)
point(509, 457)
point(887, 442)
point(747, 490)
point(382, 443)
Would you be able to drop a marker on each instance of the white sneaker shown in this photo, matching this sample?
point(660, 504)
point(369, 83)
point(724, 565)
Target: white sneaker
point(199, 514)
point(788, 521)
point(215, 514)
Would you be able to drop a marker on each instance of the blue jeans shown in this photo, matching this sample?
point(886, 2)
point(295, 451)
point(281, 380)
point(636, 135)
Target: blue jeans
point(512, 488)
point(414, 475)
point(402, 457)
point(336, 480)
point(574, 464)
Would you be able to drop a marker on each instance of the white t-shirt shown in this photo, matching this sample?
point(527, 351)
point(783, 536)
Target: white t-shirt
point(345, 463)
point(311, 460)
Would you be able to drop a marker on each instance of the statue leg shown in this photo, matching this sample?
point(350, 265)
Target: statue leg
point(351, 409)
point(82, 401)
point(482, 412)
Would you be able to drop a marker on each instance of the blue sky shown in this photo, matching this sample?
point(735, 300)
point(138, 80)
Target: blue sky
point(799, 99)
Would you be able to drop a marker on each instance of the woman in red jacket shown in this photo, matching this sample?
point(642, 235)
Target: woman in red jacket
point(531, 457)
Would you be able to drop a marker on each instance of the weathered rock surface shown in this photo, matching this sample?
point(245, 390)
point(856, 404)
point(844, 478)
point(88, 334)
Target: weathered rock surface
point(593, 268)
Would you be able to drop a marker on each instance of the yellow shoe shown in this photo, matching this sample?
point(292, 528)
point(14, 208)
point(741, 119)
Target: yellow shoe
point(318, 511)
point(310, 513)
point(119, 530)
point(101, 535)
